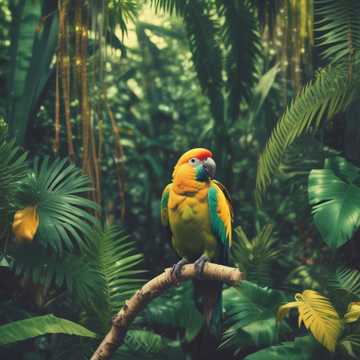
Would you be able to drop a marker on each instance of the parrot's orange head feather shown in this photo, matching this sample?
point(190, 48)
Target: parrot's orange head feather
point(198, 153)
point(193, 166)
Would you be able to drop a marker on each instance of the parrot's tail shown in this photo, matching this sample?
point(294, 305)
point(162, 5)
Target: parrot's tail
point(208, 300)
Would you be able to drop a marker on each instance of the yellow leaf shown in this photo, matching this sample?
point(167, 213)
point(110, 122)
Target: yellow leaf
point(25, 224)
point(353, 312)
point(320, 317)
point(284, 310)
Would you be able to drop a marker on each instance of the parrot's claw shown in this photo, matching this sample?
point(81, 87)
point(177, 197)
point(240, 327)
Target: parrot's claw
point(176, 269)
point(199, 265)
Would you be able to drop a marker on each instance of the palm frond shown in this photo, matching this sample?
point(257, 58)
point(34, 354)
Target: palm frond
point(56, 189)
point(170, 6)
point(347, 280)
point(240, 32)
point(74, 273)
point(202, 30)
point(120, 12)
point(116, 259)
point(255, 257)
point(147, 345)
point(13, 169)
point(338, 28)
point(330, 93)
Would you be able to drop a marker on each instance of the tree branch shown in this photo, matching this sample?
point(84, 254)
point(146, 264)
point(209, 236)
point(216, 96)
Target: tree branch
point(149, 291)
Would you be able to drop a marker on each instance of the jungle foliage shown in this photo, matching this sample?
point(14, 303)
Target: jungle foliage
point(97, 101)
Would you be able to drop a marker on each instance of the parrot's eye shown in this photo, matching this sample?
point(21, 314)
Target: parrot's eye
point(194, 161)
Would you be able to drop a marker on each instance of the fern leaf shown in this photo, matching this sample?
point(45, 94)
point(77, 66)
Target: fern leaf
point(239, 32)
point(255, 257)
point(338, 28)
point(202, 30)
point(170, 6)
point(330, 93)
point(346, 279)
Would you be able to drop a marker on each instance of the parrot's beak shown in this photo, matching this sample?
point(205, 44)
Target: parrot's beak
point(210, 167)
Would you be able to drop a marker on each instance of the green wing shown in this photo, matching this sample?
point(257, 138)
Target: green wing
point(220, 218)
point(164, 205)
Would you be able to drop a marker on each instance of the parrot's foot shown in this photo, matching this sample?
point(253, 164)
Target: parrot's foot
point(176, 269)
point(199, 265)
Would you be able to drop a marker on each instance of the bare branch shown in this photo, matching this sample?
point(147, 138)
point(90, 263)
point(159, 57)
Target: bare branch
point(151, 290)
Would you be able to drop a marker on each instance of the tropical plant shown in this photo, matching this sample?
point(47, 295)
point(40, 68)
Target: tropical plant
point(40, 325)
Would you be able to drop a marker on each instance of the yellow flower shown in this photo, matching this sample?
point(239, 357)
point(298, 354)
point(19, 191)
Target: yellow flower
point(25, 224)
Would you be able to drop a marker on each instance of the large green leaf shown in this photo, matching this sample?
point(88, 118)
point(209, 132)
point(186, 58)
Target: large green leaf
point(335, 197)
point(32, 49)
point(57, 190)
point(302, 348)
point(40, 325)
point(250, 316)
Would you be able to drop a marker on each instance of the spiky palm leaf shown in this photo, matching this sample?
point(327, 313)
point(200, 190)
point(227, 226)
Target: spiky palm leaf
point(170, 6)
point(120, 12)
point(339, 28)
point(202, 29)
point(57, 191)
point(147, 345)
point(255, 257)
point(73, 273)
point(347, 280)
point(239, 32)
point(116, 259)
point(330, 93)
point(12, 169)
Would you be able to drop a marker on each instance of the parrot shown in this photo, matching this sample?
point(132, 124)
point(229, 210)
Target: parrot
point(197, 209)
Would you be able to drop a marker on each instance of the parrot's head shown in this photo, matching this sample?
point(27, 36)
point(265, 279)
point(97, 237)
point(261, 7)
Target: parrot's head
point(195, 165)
